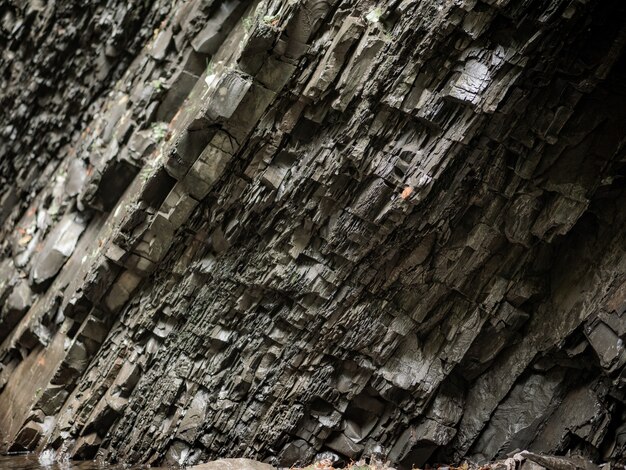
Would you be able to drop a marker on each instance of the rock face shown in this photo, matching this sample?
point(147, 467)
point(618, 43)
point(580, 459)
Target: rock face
point(275, 228)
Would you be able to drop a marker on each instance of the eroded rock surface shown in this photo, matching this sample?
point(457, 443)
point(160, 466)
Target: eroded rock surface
point(279, 228)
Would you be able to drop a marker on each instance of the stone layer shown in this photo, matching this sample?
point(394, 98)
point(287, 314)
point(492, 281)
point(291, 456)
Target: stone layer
point(277, 228)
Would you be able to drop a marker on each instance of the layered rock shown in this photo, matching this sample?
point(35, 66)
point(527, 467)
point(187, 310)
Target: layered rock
point(286, 227)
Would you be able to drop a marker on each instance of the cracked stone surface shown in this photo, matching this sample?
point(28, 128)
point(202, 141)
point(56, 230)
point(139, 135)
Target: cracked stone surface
point(283, 229)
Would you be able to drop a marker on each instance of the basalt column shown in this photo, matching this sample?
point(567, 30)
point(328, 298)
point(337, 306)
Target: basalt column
point(274, 228)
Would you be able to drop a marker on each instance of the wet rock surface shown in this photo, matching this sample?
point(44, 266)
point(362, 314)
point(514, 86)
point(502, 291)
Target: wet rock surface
point(283, 228)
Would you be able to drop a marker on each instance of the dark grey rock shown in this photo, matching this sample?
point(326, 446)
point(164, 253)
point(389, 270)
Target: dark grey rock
point(57, 248)
point(280, 229)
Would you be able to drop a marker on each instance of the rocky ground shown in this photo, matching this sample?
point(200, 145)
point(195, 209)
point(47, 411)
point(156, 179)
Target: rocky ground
point(519, 461)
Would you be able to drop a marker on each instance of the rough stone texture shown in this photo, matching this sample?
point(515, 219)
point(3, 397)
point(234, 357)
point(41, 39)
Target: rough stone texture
point(277, 228)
